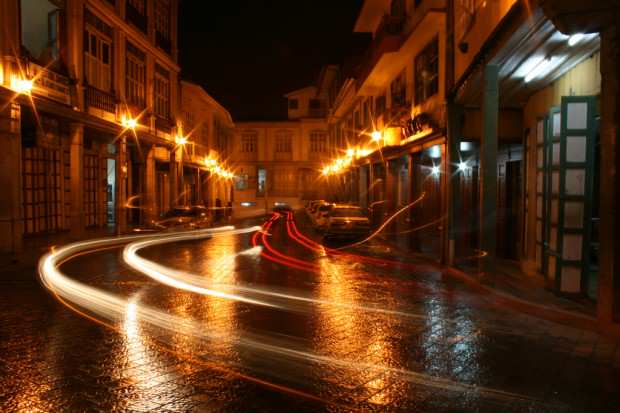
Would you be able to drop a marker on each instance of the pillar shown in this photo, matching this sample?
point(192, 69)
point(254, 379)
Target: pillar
point(609, 268)
point(11, 223)
point(488, 170)
point(452, 178)
point(150, 187)
point(174, 193)
point(121, 185)
point(198, 187)
point(76, 161)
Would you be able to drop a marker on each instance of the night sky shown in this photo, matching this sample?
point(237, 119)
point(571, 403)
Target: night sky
point(248, 53)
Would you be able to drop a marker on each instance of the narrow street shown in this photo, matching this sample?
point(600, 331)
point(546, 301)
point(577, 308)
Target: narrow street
point(271, 320)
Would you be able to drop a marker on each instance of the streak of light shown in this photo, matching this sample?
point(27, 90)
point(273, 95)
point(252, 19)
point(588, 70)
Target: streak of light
point(419, 228)
point(175, 278)
point(114, 308)
point(130, 202)
point(385, 223)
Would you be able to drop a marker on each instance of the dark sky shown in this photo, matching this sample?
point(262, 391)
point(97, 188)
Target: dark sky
point(248, 53)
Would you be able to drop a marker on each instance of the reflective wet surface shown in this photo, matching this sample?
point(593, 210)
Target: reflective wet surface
point(298, 327)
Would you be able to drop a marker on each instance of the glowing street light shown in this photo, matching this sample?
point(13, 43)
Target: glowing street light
point(22, 86)
point(463, 166)
point(129, 123)
point(435, 170)
point(350, 153)
point(376, 136)
point(181, 140)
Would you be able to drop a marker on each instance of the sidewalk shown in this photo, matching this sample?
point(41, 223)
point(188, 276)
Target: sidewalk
point(510, 286)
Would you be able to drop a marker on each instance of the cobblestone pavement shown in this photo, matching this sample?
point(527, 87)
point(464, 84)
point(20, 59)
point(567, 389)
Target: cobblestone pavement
point(438, 346)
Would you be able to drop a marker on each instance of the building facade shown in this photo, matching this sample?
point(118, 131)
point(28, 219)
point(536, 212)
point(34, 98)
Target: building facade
point(208, 127)
point(487, 120)
point(279, 162)
point(91, 119)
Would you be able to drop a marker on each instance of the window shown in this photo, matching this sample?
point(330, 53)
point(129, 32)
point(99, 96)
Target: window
point(241, 182)
point(162, 92)
point(293, 104)
point(40, 29)
point(398, 89)
point(261, 182)
point(318, 142)
point(315, 104)
point(366, 121)
point(427, 72)
point(162, 24)
point(135, 12)
point(135, 76)
point(97, 52)
point(249, 142)
point(380, 105)
point(284, 142)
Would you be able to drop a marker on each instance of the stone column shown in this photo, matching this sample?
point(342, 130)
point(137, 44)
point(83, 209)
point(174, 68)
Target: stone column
point(198, 187)
point(609, 270)
point(121, 185)
point(11, 217)
point(488, 170)
point(452, 178)
point(150, 191)
point(76, 162)
point(173, 179)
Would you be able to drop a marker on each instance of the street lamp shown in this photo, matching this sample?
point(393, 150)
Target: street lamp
point(21, 85)
point(376, 136)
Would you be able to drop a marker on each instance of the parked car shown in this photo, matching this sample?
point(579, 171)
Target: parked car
point(321, 214)
point(180, 218)
point(346, 220)
point(282, 207)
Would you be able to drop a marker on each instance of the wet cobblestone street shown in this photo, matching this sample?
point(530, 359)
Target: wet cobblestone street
point(370, 334)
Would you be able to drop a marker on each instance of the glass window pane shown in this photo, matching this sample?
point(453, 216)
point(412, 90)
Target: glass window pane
point(540, 131)
point(555, 157)
point(575, 181)
point(539, 182)
point(577, 115)
point(573, 214)
point(551, 267)
point(571, 250)
point(539, 157)
point(553, 239)
point(539, 208)
point(571, 279)
point(576, 148)
point(555, 182)
point(557, 124)
point(539, 231)
point(554, 211)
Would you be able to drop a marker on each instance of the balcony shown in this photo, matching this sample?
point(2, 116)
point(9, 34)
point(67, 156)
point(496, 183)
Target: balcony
point(98, 99)
point(48, 83)
point(388, 39)
point(163, 124)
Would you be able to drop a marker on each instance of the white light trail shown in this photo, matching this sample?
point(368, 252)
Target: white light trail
point(108, 306)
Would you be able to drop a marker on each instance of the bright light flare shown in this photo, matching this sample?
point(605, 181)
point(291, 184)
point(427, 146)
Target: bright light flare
point(21, 85)
point(540, 68)
point(463, 166)
point(376, 136)
point(435, 170)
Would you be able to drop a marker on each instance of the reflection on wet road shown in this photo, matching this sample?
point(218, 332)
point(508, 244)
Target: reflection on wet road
point(266, 318)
